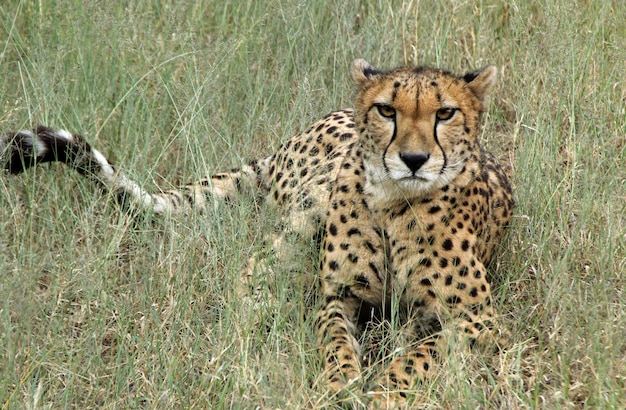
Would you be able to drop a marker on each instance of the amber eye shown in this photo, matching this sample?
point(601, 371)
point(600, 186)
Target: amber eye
point(445, 113)
point(386, 111)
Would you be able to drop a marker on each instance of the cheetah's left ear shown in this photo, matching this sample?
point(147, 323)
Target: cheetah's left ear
point(362, 71)
point(482, 81)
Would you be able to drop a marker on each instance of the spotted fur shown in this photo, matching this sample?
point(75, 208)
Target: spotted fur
point(411, 210)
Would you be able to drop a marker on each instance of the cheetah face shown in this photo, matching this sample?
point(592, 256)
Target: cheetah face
point(418, 127)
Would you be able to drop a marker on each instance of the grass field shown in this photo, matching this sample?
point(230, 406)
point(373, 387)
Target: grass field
point(99, 309)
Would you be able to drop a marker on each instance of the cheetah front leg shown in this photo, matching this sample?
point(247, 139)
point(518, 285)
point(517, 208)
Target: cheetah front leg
point(473, 323)
point(404, 373)
point(335, 330)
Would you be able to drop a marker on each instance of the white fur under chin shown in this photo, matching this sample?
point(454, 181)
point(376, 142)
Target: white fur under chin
point(385, 192)
point(383, 188)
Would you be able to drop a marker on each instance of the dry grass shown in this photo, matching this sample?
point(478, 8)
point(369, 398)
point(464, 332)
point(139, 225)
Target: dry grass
point(99, 309)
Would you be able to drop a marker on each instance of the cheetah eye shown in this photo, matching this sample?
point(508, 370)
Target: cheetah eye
point(446, 113)
point(386, 111)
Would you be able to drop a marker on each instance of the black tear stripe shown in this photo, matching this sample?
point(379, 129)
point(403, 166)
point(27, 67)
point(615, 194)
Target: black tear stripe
point(393, 137)
point(445, 158)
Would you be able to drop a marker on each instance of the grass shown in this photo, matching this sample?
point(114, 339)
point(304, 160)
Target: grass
point(102, 310)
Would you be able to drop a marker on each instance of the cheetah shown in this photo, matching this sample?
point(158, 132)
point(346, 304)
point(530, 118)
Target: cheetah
point(409, 206)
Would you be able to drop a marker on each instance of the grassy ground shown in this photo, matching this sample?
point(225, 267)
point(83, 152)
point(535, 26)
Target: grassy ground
point(101, 310)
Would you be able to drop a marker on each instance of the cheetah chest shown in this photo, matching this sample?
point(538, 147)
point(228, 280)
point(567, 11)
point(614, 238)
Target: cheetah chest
point(418, 252)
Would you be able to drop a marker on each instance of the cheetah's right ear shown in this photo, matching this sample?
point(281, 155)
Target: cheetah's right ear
point(363, 72)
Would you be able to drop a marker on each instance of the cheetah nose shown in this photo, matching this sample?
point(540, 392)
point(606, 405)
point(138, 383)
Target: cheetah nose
point(414, 161)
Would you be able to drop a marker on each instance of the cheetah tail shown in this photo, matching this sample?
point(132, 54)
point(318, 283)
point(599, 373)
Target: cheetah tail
point(24, 149)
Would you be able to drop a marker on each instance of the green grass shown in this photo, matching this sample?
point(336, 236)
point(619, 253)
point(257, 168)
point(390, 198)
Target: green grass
point(102, 310)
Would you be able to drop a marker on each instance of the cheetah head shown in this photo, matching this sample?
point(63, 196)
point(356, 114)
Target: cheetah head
point(418, 127)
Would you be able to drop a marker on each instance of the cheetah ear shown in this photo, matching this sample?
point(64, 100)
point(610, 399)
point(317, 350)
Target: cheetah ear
point(363, 72)
point(482, 81)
